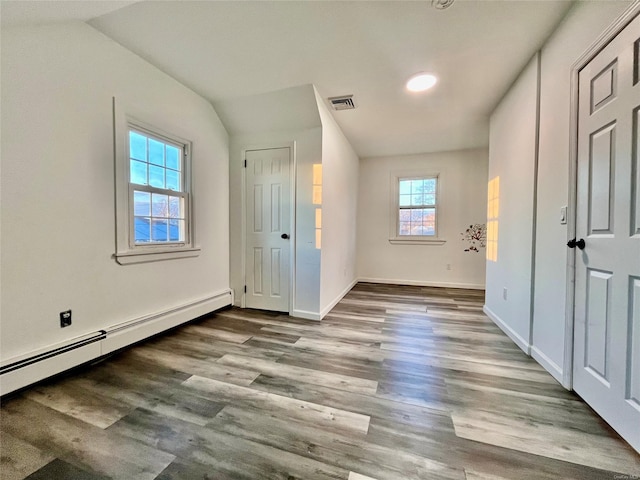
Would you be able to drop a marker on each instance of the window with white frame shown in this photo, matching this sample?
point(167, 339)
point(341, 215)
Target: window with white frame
point(153, 193)
point(158, 197)
point(416, 205)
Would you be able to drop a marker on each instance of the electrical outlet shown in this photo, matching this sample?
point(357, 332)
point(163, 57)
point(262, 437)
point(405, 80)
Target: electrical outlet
point(504, 293)
point(65, 318)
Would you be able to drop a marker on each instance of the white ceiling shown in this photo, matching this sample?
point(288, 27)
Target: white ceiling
point(225, 50)
point(39, 12)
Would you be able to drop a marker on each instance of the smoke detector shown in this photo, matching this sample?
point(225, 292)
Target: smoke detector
point(343, 102)
point(441, 4)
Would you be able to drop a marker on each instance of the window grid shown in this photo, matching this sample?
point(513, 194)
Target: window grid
point(417, 201)
point(156, 184)
point(155, 162)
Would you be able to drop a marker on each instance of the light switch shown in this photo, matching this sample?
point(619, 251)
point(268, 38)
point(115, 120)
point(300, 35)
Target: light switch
point(563, 215)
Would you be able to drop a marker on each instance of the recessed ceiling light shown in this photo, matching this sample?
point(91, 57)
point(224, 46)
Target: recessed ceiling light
point(421, 82)
point(441, 4)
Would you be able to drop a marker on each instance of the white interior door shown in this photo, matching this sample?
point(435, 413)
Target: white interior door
point(606, 371)
point(268, 229)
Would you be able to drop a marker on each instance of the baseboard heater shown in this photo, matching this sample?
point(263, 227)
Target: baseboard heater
point(26, 371)
point(101, 335)
point(34, 368)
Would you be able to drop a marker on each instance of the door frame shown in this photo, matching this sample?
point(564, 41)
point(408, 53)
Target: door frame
point(292, 214)
point(601, 42)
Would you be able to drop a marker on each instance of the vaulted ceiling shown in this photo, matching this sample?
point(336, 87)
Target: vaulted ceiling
point(226, 50)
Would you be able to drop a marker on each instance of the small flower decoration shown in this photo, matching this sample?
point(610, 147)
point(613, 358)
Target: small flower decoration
point(476, 236)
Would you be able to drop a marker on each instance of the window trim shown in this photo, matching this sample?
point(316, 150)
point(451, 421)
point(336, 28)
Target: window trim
point(394, 217)
point(127, 252)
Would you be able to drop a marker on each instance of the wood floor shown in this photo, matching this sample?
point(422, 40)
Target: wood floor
point(395, 383)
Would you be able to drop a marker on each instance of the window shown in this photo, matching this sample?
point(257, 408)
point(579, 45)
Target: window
point(154, 201)
point(158, 201)
point(416, 205)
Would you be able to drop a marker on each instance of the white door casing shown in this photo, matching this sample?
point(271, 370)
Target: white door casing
point(606, 360)
point(267, 229)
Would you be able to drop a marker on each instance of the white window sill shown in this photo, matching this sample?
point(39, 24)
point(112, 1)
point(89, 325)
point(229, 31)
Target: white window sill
point(417, 241)
point(155, 255)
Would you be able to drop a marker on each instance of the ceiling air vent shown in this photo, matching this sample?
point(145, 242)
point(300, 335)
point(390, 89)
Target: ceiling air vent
point(344, 102)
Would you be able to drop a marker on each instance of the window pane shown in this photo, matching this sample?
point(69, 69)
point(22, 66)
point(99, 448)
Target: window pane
point(405, 215)
point(405, 200)
point(429, 216)
point(416, 186)
point(429, 221)
point(176, 230)
point(158, 230)
point(142, 229)
point(430, 185)
point(405, 228)
point(429, 199)
point(405, 187)
point(173, 157)
point(156, 176)
point(173, 180)
point(141, 204)
point(175, 208)
point(416, 199)
point(159, 205)
point(137, 146)
point(138, 172)
point(156, 152)
point(416, 216)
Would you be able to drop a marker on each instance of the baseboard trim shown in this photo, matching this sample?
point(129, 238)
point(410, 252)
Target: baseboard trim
point(35, 372)
point(335, 301)
point(45, 351)
point(548, 364)
point(511, 333)
point(419, 283)
point(58, 358)
point(305, 314)
point(132, 331)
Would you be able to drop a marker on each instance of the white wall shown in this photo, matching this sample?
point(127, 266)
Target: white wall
point(339, 211)
point(298, 116)
point(463, 176)
point(308, 150)
point(581, 27)
point(512, 157)
point(58, 187)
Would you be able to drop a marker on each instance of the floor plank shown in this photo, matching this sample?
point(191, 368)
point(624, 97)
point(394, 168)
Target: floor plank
point(396, 383)
point(274, 404)
point(19, 458)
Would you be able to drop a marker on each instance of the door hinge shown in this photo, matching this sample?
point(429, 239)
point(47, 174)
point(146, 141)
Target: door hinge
point(245, 289)
point(245, 163)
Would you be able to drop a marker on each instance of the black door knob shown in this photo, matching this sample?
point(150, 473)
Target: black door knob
point(576, 243)
point(284, 235)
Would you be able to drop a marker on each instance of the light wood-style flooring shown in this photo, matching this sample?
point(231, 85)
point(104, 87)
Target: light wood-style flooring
point(395, 383)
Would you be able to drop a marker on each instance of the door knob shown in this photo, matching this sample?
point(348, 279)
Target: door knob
point(579, 243)
point(285, 236)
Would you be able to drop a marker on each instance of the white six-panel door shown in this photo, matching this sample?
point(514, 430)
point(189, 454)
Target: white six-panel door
point(268, 229)
point(606, 366)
